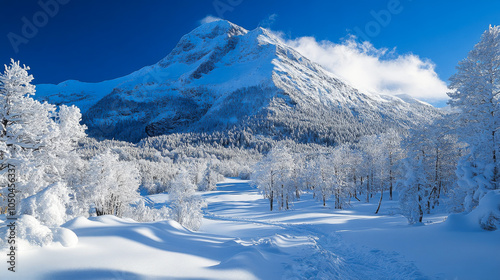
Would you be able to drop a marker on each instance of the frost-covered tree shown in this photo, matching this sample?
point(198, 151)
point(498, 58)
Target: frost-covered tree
point(322, 178)
point(413, 190)
point(475, 93)
point(391, 142)
point(273, 176)
point(39, 141)
point(264, 177)
point(210, 177)
point(428, 171)
point(374, 165)
point(443, 152)
point(186, 205)
point(296, 175)
point(345, 162)
point(26, 128)
point(112, 185)
point(26, 124)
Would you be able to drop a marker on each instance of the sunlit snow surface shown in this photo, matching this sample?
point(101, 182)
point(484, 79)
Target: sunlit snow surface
point(241, 239)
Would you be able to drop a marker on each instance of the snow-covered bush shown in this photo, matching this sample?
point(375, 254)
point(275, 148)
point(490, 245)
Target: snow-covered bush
point(30, 232)
point(49, 205)
point(65, 236)
point(143, 213)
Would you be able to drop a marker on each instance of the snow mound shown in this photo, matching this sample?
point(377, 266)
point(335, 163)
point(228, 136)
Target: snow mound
point(65, 236)
point(31, 230)
point(485, 216)
point(111, 220)
point(172, 226)
point(31, 233)
point(487, 213)
point(79, 222)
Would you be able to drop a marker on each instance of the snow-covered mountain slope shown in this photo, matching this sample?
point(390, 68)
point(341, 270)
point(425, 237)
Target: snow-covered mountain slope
point(222, 77)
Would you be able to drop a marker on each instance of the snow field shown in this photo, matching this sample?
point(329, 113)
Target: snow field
point(241, 239)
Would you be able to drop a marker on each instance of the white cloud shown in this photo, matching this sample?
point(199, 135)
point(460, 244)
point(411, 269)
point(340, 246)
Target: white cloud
point(375, 70)
point(266, 23)
point(209, 18)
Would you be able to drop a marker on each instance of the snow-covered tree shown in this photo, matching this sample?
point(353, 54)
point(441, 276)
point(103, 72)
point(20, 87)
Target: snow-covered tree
point(112, 184)
point(422, 172)
point(373, 168)
point(323, 178)
point(391, 142)
point(475, 93)
point(345, 162)
point(210, 177)
point(186, 205)
point(413, 190)
point(264, 177)
point(273, 176)
point(26, 128)
point(443, 152)
point(39, 141)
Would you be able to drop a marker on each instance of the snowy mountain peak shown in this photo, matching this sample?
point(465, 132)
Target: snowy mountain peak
point(202, 40)
point(217, 28)
point(222, 77)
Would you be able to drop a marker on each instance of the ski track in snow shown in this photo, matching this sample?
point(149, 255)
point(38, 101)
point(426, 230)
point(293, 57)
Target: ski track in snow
point(327, 256)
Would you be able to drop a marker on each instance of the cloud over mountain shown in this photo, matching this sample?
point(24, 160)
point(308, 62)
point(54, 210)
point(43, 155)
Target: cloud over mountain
point(375, 70)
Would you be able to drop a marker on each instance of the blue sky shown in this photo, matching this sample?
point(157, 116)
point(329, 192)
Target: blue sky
point(96, 40)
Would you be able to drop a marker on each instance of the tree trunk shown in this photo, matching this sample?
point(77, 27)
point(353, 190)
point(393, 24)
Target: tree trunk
point(271, 200)
point(337, 200)
point(439, 192)
point(380, 201)
point(390, 182)
point(390, 175)
point(495, 167)
point(420, 210)
point(367, 189)
point(356, 196)
point(282, 196)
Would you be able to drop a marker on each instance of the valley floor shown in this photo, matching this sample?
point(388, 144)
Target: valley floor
point(241, 239)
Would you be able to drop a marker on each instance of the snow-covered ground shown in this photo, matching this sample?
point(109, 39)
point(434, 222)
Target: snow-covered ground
point(241, 239)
